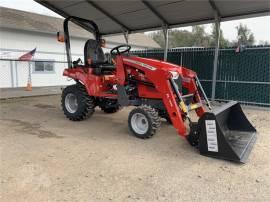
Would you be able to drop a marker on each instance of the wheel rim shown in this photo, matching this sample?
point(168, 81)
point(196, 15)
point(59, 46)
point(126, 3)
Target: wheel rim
point(139, 123)
point(71, 103)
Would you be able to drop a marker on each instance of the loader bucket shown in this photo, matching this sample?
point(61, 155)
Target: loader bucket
point(226, 133)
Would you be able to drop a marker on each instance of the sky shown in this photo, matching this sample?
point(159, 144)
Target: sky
point(259, 26)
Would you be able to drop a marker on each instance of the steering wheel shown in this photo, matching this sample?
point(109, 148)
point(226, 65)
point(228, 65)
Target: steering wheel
point(117, 50)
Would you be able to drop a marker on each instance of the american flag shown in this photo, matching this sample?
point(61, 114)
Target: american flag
point(28, 56)
point(237, 50)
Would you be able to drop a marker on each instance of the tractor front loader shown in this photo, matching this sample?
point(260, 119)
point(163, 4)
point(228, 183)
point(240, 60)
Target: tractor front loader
point(156, 89)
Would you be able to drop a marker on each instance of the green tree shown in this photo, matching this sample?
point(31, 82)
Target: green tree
point(223, 43)
point(264, 43)
point(183, 38)
point(180, 38)
point(176, 38)
point(159, 38)
point(244, 35)
point(200, 37)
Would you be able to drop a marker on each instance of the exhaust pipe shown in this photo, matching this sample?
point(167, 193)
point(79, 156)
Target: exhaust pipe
point(225, 133)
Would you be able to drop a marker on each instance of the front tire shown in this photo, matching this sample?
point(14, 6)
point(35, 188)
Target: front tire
point(76, 103)
point(143, 121)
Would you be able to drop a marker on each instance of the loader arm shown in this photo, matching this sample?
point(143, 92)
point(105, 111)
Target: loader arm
point(161, 80)
point(173, 100)
point(171, 97)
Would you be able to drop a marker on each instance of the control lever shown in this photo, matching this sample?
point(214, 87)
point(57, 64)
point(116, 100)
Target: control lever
point(77, 61)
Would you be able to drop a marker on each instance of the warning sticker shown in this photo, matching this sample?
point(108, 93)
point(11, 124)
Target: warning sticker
point(211, 133)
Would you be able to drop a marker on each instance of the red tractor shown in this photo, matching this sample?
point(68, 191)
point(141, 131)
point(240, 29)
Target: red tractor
point(156, 89)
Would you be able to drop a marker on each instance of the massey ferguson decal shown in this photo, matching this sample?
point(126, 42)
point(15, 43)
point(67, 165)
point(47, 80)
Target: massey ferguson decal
point(141, 64)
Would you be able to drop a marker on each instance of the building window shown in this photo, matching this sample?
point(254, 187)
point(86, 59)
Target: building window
point(44, 66)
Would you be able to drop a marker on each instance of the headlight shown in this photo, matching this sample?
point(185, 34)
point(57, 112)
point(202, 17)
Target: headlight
point(175, 75)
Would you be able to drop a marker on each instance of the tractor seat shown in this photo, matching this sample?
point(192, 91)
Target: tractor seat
point(94, 51)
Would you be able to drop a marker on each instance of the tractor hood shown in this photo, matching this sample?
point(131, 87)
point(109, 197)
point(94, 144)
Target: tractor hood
point(159, 64)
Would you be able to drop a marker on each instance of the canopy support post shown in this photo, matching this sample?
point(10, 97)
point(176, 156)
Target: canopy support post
point(166, 38)
point(215, 63)
point(126, 35)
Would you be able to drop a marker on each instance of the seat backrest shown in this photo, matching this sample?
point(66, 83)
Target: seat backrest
point(92, 50)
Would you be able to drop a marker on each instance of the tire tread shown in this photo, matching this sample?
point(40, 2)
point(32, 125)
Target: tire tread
point(88, 107)
point(155, 121)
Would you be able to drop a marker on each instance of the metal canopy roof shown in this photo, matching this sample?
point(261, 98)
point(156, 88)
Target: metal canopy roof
point(130, 16)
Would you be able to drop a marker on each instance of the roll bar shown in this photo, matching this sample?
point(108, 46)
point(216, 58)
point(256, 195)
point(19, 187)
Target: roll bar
point(88, 25)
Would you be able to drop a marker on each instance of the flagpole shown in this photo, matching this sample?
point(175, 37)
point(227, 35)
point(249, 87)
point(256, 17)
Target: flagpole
point(29, 82)
point(28, 57)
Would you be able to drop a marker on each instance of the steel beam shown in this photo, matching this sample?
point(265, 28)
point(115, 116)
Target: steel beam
point(155, 12)
point(215, 63)
point(209, 19)
point(165, 26)
point(62, 13)
point(53, 8)
point(214, 7)
point(217, 15)
point(124, 27)
point(166, 38)
point(126, 35)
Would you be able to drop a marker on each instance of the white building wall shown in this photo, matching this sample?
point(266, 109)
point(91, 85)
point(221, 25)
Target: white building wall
point(5, 74)
point(13, 44)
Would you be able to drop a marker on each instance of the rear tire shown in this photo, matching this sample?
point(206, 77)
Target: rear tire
point(76, 103)
point(143, 121)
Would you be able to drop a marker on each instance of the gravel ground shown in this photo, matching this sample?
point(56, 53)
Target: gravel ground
point(45, 157)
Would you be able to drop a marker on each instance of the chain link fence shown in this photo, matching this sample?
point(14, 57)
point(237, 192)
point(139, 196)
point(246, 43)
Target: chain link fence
point(16, 74)
point(31, 78)
point(244, 76)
